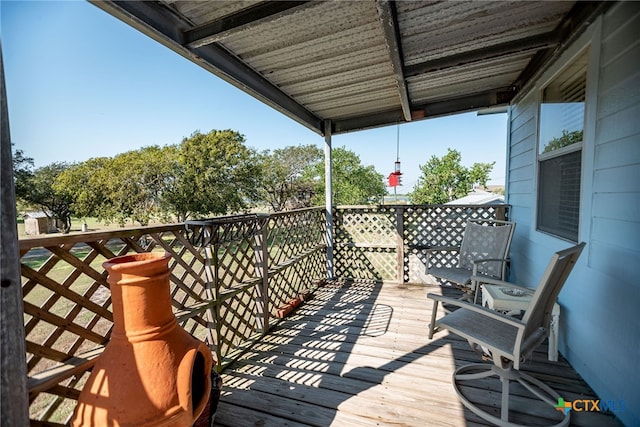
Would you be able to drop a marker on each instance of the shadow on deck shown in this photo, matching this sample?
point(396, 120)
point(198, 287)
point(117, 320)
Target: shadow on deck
point(357, 354)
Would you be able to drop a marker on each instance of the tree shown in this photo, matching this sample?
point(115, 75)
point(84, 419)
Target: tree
point(282, 175)
point(445, 179)
point(126, 187)
point(141, 177)
point(87, 182)
point(353, 183)
point(41, 192)
point(22, 173)
point(566, 139)
point(215, 174)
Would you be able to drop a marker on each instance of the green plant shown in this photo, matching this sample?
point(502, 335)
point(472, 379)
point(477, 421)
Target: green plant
point(565, 140)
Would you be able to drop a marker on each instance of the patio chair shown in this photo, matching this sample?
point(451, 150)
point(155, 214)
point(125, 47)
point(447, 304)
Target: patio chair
point(506, 340)
point(484, 251)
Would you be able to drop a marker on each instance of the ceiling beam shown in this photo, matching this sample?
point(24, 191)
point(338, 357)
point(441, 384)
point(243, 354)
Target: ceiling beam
point(166, 27)
point(537, 42)
point(367, 122)
point(389, 19)
point(494, 98)
point(218, 29)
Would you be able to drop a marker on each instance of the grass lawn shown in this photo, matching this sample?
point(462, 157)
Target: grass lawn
point(76, 226)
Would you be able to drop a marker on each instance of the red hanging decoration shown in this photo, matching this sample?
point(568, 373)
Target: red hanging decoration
point(395, 178)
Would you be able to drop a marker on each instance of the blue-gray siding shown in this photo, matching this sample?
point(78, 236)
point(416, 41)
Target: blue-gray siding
point(600, 327)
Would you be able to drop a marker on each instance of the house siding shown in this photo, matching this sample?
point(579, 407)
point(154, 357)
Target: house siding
point(600, 333)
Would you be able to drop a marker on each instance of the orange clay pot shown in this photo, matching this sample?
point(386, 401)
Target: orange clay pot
point(152, 372)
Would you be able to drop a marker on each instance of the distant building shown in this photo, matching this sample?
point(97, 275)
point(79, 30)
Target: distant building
point(38, 223)
point(479, 197)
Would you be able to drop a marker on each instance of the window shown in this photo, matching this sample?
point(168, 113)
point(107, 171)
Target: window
point(560, 150)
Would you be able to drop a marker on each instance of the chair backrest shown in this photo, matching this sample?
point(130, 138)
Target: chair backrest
point(486, 239)
point(538, 314)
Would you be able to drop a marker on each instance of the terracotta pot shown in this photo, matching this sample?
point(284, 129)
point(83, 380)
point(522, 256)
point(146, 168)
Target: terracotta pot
point(152, 372)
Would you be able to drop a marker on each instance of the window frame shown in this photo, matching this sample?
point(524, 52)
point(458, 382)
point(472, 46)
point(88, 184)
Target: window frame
point(542, 157)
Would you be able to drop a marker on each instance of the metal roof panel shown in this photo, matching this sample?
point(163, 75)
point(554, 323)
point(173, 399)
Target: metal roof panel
point(363, 64)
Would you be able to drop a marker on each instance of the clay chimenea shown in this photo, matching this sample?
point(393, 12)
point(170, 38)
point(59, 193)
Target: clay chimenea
point(152, 372)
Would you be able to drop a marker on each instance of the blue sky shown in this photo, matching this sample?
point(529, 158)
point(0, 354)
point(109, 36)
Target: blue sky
point(82, 84)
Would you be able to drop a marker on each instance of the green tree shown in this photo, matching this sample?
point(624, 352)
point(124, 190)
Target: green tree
point(41, 192)
point(126, 187)
point(282, 175)
point(445, 179)
point(143, 176)
point(215, 174)
point(134, 184)
point(22, 173)
point(566, 139)
point(353, 183)
point(87, 182)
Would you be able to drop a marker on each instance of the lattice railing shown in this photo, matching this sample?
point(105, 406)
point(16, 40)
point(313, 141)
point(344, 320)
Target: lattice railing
point(390, 242)
point(228, 277)
point(226, 286)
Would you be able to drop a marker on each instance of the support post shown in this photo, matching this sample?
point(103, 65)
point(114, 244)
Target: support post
point(14, 405)
point(400, 243)
point(262, 270)
point(212, 293)
point(328, 196)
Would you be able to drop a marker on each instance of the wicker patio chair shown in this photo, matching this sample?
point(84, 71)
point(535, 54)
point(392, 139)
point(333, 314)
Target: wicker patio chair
point(484, 251)
point(506, 340)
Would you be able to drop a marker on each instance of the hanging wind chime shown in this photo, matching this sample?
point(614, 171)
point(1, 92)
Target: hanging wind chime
point(395, 178)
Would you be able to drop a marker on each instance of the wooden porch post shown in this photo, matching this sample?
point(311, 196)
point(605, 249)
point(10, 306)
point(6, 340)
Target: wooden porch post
point(328, 196)
point(14, 405)
point(262, 270)
point(400, 243)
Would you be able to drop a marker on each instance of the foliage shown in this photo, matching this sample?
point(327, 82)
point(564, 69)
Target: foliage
point(283, 184)
point(143, 178)
point(207, 174)
point(55, 202)
point(85, 182)
point(137, 180)
point(565, 140)
point(445, 179)
point(22, 173)
point(353, 183)
point(215, 173)
point(125, 187)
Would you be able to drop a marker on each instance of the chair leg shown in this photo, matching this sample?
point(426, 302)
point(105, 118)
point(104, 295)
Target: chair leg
point(432, 325)
point(504, 409)
point(481, 370)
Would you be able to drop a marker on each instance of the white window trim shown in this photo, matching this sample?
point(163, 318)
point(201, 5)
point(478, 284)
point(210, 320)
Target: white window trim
point(560, 151)
point(592, 39)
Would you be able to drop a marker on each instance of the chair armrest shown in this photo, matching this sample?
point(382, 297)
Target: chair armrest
point(474, 273)
point(478, 309)
point(491, 281)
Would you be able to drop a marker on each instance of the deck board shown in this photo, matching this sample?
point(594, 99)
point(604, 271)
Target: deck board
point(357, 354)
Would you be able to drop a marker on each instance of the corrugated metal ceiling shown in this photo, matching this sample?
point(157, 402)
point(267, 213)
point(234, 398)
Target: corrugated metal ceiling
point(367, 63)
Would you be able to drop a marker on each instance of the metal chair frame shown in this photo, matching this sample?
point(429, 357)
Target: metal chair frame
point(507, 340)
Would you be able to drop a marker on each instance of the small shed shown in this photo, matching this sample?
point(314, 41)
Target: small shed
point(38, 223)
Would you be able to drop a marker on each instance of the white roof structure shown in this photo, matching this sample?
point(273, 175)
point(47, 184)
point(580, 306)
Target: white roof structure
point(479, 197)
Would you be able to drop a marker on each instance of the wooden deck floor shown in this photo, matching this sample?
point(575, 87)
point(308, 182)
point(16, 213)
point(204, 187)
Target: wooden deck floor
point(357, 354)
